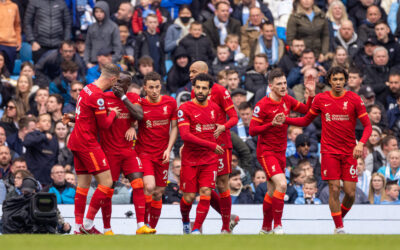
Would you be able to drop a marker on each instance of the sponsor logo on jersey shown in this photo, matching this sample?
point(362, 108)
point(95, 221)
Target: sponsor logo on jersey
point(148, 124)
point(327, 117)
point(160, 122)
point(124, 116)
point(198, 127)
point(339, 118)
point(227, 95)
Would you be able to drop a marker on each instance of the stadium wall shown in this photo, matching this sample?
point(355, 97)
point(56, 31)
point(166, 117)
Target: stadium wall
point(297, 219)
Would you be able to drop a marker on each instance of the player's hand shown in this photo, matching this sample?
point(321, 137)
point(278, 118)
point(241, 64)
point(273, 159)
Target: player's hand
point(219, 150)
point(166, 156)
point(67, 118)
point(279, 119)
point(35, 46)
point(309, 83)
point(118, 91)
point(130, 134)
point(180, 150)
point(358, 150)
point(49, 136)
point(219, 130)
point(116, 110)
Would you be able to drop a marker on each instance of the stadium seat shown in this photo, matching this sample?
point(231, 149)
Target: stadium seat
point(25, 53)
point(17, 66)
point(168, 65)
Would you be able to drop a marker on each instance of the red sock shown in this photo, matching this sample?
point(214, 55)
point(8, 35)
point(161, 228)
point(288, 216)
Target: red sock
point(106, 210)
point(277, 207)
point(226, 205)
point(80, 204)
point(155, 212)
point(345, 210)
point(215, 201)
point(185, 210)
point(148, 199)
point(337, 218)
point(201, 211)
point(98, 199)
point(267, 210)
point(138, 199)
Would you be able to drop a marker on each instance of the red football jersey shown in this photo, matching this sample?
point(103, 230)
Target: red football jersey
point(220, 96)
point(339, 116)
point(201, 121)
point(154, 129)
point(89, 104)
point(113, 138)
point(275, 137)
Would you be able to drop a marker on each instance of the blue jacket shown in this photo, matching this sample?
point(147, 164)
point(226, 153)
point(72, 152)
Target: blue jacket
point(94, 73)
point(173, 6)
point(15, 143)
point(61, 86)
point(65, 193)
point(71, 4)
point(393, 116)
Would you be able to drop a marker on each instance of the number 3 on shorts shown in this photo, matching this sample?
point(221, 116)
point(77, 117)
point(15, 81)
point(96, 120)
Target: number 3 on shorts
point(353, 170)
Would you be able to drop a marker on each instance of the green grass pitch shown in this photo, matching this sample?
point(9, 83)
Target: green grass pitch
point(197, 242)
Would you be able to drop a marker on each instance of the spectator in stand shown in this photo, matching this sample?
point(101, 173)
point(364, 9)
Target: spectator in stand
point(387, 40)
point(104, 56)
point(258, 177)
point(10, 32)
point(232, 41)
point(61, 132)
point(293, 132)
point(256, 78)
point(377, 74)
point(245, 176)
point(391, 171)
point(391, 194)
point(394, 88)
point(124, 16)
point(140, 14)
point(394, 117)
point(360, 197)
point(375, 116)
point(378, 158)
point(5, 161)
point(269, 44)
point(242, 11)
point(358, 14)
point(62, 84)
point(355, 80)
point(39, 105)
point(364, 176)
point(23, 91)
point(310, 190)
point(292, 57)
point(128, 48)
point(102, 34)
point(303, 144)
point(47, 24)
point(11, 117)
point(368, 96)
point(26, 125)
point(55, 104)
point(64, 191)
point(339, 59)
point(223, 61)
point(18, 163)
point(15, 189)
point(7, 90)
point(28, 69)
point(310, 74)
point(250, 31)
point(197, 45)
point(377, 188)
point(81, 15)
point(80, 45)
point(41, 150)
point(148, 44)
point(309, 23)
point(218, 27)
point(367, 29)
point(145, 65)
point(347, 38)
point(336, 15)
point(375, 140)
point(49, 66)
point(233, 80)
point(242, 127)
point(76, 88)
point(71, 178)
point(178, 75)
point(238, 97)
point(239, 194)
point(179, 29)
point(363, 57)
point(172, 194)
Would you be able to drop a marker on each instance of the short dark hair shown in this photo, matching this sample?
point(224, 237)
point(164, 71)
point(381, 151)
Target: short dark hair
point(25, 120)
point(262, 55)
point(355, 70)
point(336, 70)
point(152, 76)
point(76, 83)
point(294, 173)
point(68, 42)
point(381, 22)
point(275, 73)
point(389, 184)
point(394, 72)
point(221, 2)
point(18, 159)
point(311, 180)
point(145, 60)
point(370, 107)
point(59, 98)
point(69, 66)
point(387, 139)
point(235, 172)
point(307, 51)
point(196, 23)
point(184, 6)
point(266, 23)
point(231, 72)
point(29, 64)
point(204, 77)
point(244, 105)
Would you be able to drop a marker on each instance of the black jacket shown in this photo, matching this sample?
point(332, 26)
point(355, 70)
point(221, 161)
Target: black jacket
point(393, 49)
point(288, 61)
point(47, 22)
point(254, 81)
point(212, 32)
point(178, 76)
point(261, 190)
point(172, 193)
point(15, 143)
point(238, 12)
point(142, 49)
point(376, 77)
point(199, 49)
point(245, 196)
point(41, 155)
point(358, 14)
point(362, 60)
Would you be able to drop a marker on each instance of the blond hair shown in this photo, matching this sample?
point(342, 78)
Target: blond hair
point(371, 192)
point(329, 14)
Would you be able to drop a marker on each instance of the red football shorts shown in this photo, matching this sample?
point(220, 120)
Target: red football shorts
point(156, 169)
point(338, 167)
point(273, 163)
point(195, 177)
point(90, 162)
point(225, 162)
point(125, 161)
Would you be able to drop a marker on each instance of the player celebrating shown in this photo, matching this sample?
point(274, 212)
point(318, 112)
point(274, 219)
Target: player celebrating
point(272, 143)
point(120, 153)
point(339, 111)
point(89, 158)
point(197, 122)
point(157, 134)
point(222, 203)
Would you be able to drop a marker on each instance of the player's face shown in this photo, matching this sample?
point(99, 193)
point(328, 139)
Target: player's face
point(337, 82)
point(193, 72)
point(123, 81)
point(279, 86)
point(201, 90)
point(152, 89)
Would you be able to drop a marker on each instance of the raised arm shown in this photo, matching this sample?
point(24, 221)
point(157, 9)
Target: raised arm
point(135, 110)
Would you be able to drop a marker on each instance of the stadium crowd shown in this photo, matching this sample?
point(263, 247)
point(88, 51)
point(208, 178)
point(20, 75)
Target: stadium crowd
point(50, 49)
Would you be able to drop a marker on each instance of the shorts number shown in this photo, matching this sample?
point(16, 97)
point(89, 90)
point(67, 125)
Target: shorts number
point(165, 173)
point(221, 163)
point(353, 170)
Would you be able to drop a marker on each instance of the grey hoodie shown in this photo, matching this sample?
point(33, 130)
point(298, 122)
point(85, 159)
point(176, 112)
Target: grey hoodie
point(101, 35)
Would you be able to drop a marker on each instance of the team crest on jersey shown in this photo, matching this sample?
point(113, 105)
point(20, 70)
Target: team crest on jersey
point(198, 127)
point(180, 113)
point(325, 172)
point(273, 168)
point(345, 104)
point(227, 95)
point(327, 117)
point(212, 114)
point(165, 110)
point(104, 162)
point(148, 124)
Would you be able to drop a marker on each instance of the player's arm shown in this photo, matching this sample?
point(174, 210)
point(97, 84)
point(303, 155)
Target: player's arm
point(303, 108)
point(135, 110)
point(173, 134)
point(103, 120)
point(302, 121)
point(231, 112)
point(184, 130)
point(257, 127)
point(363, 117)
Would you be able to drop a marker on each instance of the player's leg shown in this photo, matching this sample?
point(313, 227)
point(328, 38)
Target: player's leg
point(149, 186)
point(267, 209)
point(185, 207)
point(189, 188)
point(349, 188)
point(278, 196)
point(80, 198)
point(334, 203)
point(225, 201)
point(161, 178)
point(202, 208)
